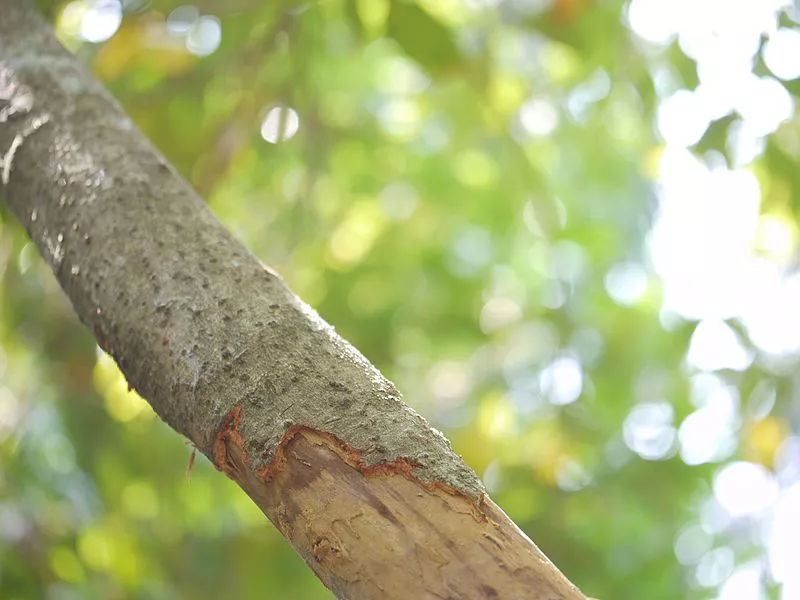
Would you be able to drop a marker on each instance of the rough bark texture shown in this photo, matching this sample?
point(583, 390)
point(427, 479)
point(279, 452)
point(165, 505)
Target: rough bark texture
point(367, 492)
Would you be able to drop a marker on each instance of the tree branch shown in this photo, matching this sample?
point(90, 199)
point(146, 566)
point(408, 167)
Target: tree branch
point(366, 491)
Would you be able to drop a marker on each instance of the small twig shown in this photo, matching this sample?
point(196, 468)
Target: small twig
point(191, 463)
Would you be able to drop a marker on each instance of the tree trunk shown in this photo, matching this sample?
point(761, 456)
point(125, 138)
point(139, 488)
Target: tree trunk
point(371, 496)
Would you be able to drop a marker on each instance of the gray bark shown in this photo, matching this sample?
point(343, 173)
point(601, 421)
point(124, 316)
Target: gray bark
point(212, 338)
point(196, 323)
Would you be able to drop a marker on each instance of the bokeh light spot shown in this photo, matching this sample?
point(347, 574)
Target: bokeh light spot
point(744, 489)
point(93, 21)
point(709, 433)
point(204, 36)
point(280, 124)
point(539, 117)
point(562, 380)
point(714, 346)
point(181, 20)
point(781, 53)
point(626, 283)
point(648, 430)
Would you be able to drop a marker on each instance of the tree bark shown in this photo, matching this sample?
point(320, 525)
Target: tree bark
point(372, 497)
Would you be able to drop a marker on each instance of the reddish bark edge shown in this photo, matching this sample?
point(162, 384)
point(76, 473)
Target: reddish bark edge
point(229, 431)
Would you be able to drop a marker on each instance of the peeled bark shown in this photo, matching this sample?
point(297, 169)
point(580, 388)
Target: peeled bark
point(372, 497)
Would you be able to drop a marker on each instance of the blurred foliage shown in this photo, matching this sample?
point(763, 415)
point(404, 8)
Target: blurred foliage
point(464, 178)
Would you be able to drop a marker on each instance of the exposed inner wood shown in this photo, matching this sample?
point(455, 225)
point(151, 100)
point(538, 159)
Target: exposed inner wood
point(362, 530)
point(201, 329)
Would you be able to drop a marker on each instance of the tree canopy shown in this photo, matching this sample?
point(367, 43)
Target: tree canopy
point(567, 230)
